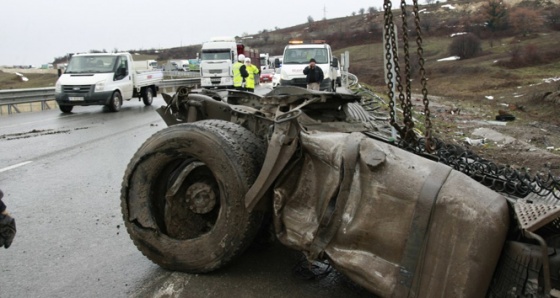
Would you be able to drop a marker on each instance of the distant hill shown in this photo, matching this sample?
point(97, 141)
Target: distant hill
point(438, 21)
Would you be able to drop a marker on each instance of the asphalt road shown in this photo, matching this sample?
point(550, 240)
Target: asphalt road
point(61, 175)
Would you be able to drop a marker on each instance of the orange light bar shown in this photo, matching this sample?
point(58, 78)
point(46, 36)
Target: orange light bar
point(316, 41)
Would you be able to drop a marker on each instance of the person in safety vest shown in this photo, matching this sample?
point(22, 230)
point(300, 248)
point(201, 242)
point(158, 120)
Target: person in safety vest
point(238, 79)
point(252, 71)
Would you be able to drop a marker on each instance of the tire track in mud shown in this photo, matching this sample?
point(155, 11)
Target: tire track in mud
point(37, 133)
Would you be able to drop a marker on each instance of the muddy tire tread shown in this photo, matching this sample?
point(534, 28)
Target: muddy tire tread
point(251, 152)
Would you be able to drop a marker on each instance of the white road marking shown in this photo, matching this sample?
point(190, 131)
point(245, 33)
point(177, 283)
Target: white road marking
point(15, 166)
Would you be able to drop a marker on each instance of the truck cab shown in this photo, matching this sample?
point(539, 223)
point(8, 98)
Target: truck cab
point(296, 57)
point(105, 79)
point(216, 61)
point(217, 58)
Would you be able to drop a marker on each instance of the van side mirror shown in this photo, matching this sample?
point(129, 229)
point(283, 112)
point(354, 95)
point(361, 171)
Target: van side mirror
point(334, 62)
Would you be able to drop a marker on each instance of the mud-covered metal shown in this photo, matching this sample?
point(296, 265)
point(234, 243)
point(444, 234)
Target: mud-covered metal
point(399, 223)
point(392, 221)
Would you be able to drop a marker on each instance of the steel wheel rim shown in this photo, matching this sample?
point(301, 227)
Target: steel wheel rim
point(191, 200)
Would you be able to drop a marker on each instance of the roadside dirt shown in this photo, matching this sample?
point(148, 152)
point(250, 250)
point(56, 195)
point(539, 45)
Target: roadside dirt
point(531, 141)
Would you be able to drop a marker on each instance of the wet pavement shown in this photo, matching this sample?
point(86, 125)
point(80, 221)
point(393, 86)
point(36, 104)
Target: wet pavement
point(61, 175)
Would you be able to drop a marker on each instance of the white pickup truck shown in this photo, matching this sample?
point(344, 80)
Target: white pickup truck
point(105, 79)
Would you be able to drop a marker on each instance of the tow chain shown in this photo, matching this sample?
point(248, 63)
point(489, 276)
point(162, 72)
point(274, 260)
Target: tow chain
point(408, 137)
point(518, 183)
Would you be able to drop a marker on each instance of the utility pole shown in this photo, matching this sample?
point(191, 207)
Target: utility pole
point(324, 12)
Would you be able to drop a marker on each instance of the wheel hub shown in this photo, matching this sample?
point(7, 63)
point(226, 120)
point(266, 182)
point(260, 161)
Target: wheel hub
point(201, 197)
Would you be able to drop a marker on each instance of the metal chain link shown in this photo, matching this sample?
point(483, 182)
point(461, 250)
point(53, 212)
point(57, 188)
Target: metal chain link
point(407, 108)
point(388, 17)
point(430, 144)
point(499, 178)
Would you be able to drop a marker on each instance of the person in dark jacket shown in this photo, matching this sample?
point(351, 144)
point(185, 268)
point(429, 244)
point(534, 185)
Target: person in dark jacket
point(7, 225)
point(314, 75)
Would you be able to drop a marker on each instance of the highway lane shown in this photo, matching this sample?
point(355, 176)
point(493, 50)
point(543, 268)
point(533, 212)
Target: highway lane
point(61, 175)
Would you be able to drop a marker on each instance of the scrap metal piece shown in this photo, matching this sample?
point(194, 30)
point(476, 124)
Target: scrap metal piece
point(281, 148)
point(532, 217)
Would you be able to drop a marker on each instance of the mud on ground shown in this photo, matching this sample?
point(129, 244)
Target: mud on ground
point(531, 141)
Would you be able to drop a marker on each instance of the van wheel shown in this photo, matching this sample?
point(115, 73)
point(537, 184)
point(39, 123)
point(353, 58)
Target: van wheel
point(66, 109)
point(116, 102)
point(148, 96)
point(183, 195)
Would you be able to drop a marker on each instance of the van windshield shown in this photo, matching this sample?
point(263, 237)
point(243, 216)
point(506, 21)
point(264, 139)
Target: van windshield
point(91, 64)
point(303, 55)
point(221, 54)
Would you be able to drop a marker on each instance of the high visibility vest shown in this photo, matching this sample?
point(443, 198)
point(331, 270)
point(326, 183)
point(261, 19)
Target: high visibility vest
point(237, 79)
point(250, 81)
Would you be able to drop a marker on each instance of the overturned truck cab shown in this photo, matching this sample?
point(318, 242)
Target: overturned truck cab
point(399, 224)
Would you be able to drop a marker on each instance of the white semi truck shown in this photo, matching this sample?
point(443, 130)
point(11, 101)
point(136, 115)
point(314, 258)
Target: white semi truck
point(216, 62)
point(265, 61)
point(296, 57)
point(105, 79)
point(217, 58)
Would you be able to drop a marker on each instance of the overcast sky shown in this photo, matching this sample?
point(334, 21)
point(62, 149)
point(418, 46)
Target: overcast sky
point(33, 32)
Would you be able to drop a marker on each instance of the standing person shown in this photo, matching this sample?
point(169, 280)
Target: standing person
point(314, 75)
point(7, 225)
point(252, 71)
point(237, 77)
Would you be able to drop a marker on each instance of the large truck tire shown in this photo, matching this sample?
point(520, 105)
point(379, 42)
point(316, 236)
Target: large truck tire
point(66, 109)
point(183, 195)
point(116, 102)
point(148, 96)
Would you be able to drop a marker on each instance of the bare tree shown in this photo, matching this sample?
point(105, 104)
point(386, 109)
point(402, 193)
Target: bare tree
point(362, 11)
point(372, 10)
point(310, 19)
point(525, 20)
point(430, 2)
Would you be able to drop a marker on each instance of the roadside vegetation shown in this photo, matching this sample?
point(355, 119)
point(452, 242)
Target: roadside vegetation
point(9, 80)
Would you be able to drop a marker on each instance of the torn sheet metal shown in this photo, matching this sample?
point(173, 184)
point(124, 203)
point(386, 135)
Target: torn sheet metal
point(396, 223)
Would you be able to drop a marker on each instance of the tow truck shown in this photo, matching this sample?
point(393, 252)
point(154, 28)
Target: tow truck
point(296, 57)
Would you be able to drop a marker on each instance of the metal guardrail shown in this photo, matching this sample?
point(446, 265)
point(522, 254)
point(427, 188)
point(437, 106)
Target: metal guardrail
point(14, 97)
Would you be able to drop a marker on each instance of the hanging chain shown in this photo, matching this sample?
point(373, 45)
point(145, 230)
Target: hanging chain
point(410, 137)
point(393, 64)
point(497, 177)
point(389, 37)
point(430, 144)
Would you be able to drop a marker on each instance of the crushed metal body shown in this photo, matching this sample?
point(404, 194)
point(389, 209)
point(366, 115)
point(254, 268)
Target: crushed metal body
point(398, 224)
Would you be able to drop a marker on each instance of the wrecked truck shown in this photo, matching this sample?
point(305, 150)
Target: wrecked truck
point(399, 224)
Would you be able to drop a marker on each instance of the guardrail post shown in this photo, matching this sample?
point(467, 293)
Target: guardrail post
point(12, 106)
point(45, 105)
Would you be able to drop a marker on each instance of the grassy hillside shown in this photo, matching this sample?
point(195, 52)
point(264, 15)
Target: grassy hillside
point(9, 80)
